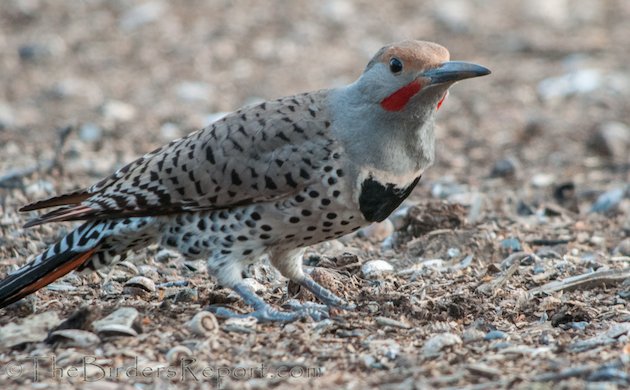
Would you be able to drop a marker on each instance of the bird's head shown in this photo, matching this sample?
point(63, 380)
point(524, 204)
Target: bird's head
point(408, 74)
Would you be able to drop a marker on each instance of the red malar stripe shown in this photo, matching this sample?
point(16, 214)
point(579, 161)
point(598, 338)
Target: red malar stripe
point(397, 100)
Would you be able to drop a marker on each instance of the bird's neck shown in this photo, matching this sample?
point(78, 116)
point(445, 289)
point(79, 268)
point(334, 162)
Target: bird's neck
point(400, 142)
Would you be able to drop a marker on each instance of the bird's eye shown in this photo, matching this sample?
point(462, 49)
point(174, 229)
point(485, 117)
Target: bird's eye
point(395, 65)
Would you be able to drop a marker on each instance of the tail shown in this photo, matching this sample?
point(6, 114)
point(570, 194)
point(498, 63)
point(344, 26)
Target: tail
point(93, 245)
point(40, 273)
point(71, 252)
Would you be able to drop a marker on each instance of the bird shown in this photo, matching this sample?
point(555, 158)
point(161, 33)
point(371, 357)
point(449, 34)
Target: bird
point(268, 179)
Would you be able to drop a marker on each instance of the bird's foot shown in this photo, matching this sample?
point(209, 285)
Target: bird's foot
point(325, 295)
point(263, 314)
point(314, 310)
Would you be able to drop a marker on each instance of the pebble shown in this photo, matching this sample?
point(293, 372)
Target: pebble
point(504, 168)
point(511, 245)
point(37, 52)
point(378, 231)
point(122, 322)
point(456, 15)
point(443, 190)
point(169, 131)
point(186, 295)
point(611, 139)
point(472, 334)
point(608, 201)
point(453, 252)
point(399, 217)
point(7, 118)
point(384, 321)
point(375, 268)
point(576, 82)
point(142, 14)
point(193, 91)
point(89, 132)
point(623, 248)
point(435, 344)
point(542, 180)
point(118, 111)
point(495, 335)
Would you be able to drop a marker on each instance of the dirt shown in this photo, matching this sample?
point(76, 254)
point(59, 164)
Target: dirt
point(530, 189)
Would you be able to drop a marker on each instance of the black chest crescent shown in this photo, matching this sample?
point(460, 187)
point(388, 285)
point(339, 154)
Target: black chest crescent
point(378, 200)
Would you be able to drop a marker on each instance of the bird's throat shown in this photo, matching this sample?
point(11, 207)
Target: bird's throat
point(399, 99)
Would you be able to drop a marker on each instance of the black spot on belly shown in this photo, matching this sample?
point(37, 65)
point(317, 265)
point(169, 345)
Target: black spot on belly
point(377, 201)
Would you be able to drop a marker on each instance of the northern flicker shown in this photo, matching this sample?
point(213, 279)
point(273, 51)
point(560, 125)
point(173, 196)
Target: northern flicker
point(266, 179)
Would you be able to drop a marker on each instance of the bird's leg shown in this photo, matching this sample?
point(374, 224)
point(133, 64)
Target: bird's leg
point(290, 265)
point(263, 312)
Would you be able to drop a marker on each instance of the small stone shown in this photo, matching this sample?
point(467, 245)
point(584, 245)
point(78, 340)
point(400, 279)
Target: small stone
point(7, 118)
point(608, 201)
point(511, 245)
point(375, 268)
point(472, 334)
point(435, 344)
point(89, 132)
point(185, 295)
point(373, 307)
point(456, 15)
point(118, 111)
point(142, 14)
point(623, 248)
point(453, 252)
point(495, 335)
point(445, 190)
point(384, 321)
point(169, 131)
point(368, 361)
point(611, 139)
point(377, 232)
point(505, 168)
point(192, 91)
point(542, 180)
point(400, 216)
point(577, 82)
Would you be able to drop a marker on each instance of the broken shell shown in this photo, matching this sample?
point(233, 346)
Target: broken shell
point(74, 338)
point(122, 322)
point(177, 354)
point(117, 330)
point(141, 282)
point(203, 324)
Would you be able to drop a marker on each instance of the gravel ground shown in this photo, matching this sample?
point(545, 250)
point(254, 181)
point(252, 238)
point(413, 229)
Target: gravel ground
point(508, 267)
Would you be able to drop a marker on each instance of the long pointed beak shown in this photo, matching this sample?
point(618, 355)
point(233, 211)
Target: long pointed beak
point(454, 71)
